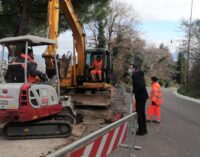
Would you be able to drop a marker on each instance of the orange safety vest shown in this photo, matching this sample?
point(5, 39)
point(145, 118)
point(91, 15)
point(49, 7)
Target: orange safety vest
point(156, 93)
point(31, 79)
point(98, 65)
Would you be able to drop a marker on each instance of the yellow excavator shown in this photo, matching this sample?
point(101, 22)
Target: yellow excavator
point(75, 70)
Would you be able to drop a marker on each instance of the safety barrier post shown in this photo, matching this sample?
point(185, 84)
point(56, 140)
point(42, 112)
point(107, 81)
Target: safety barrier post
point(100, 143)
point(120, 93)
point(132, 129)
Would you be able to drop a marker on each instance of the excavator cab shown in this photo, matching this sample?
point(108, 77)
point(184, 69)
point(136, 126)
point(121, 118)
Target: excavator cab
point(90, 56)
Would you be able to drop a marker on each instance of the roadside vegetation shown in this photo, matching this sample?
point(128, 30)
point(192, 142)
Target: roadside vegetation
point(190, 87)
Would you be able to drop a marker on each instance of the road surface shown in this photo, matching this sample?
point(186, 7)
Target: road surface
point(178, 135)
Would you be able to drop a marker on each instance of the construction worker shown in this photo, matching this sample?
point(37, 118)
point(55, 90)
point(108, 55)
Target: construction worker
point(153, 113)
point(97, 68)
point(34, 75)
point(141, 96)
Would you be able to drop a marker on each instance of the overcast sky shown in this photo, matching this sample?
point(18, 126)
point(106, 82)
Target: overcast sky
point(171, 10)
point(161, 18)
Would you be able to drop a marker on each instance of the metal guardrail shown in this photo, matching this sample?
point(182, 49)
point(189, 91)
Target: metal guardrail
point(89, 138)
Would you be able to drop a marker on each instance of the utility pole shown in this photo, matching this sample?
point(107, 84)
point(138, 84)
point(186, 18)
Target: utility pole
point(188, 50)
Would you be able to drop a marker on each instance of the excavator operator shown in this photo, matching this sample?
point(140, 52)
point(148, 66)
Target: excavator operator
point(97, 68)
point(33, 74)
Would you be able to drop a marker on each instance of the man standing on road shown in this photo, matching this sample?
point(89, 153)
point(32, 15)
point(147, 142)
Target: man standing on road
point(141, 96)
point(153, 113)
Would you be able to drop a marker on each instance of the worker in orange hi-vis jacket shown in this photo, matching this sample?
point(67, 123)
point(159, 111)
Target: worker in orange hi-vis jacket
point(97, 68)
point(153, 112)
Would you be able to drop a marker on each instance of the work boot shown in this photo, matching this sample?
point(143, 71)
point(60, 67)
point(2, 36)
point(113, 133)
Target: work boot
point(141, 133)
point(156, 121)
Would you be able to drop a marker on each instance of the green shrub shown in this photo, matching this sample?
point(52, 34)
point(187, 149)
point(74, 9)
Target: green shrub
point(191, 92)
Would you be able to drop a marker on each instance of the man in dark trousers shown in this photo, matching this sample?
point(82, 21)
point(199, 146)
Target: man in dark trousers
point(141, 96)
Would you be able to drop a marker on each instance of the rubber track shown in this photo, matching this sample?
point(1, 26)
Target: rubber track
point(46, 122)
point(65, 115)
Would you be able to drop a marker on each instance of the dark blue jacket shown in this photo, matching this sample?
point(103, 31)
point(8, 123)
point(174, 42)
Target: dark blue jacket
point(139, 86)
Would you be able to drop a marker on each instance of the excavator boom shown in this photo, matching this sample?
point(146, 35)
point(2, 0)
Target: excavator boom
point(78, 33)
point(67, 9)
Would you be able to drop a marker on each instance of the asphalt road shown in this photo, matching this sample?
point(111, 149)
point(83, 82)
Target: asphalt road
point(178, 135)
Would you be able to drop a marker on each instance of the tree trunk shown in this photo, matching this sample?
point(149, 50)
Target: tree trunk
point(25, 16)
point(23, 26)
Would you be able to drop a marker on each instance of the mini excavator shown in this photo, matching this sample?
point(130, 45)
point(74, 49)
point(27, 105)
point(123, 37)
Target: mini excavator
point(32, 110)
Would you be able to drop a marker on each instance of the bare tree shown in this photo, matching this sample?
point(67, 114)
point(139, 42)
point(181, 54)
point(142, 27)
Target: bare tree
point(158, 62)
point(121, 16)
point(91, 40)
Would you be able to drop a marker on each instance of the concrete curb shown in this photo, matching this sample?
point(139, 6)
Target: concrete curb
point(186, 97)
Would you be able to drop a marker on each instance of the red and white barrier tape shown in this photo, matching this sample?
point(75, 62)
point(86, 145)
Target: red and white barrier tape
point(103, 145)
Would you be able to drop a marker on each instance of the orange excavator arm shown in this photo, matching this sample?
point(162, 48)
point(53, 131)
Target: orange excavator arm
point(54, 7)
point(53, 22)
point(52, 33)
point(78, 33)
